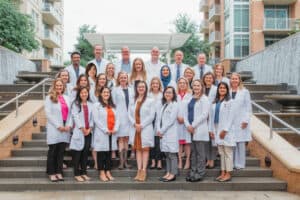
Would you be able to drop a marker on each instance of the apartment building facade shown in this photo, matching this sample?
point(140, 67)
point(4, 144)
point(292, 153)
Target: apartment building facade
point(47, 16)
point(237, 28)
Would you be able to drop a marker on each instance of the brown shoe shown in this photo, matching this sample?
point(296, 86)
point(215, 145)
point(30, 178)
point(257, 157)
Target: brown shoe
point(138, 174)
point(143, 176)
point(85, 177)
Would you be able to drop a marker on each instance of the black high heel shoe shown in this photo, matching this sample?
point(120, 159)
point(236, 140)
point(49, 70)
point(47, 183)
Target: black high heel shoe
point(170, 180)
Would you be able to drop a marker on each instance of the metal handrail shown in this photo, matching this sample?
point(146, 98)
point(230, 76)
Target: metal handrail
point(271, 117)
point(16, 99)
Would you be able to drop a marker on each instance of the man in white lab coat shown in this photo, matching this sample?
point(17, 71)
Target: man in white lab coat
point(201, 68)
point(98, 60)
point(177, 69)
point(154, 64)
point(124, 64)
point(75, 70)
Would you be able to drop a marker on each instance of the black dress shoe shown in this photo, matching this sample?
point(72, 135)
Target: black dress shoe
point(152, 167)
point(210, 167)
point(193, 180)
point(159, 168)
point(170, 180)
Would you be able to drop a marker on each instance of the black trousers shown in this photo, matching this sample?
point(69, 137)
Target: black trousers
point(104, 160)
point(55, 158)
point(80, 158)
point(155, 153)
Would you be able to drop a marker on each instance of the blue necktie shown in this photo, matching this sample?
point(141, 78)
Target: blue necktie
point(178, 73)
point(201, 72)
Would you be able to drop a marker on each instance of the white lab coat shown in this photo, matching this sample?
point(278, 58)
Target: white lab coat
point(54, 121)
point(225, 123)
point(68, 90)
point(212, 94)
point(77, 138)
point(153, 70)
point(100, 68)
point(101, 138)
point(181, 128)
point(72, 74)
point(119, 100)
point(168, 119)
point(92, 83)
point(242, 111)
point(147, 114)
point(173, 68)
point(200, 123)
point(207, 68)
point(157, 101)
point(225, 80)
point(172, 84)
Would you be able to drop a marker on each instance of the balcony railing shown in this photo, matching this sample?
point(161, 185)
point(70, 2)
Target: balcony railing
point(214, 12)
point(280, 24)
point(51, 14)
point(214, 37)
point(204, 26)
point(50, 39)
point(204, 5)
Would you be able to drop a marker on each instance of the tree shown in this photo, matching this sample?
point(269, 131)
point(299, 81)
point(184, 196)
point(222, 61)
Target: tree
point(194, 45)
point(83, 46)
point(16, 29)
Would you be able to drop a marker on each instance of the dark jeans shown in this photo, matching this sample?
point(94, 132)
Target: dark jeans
point(155, 153)
point(104, 160)
point(80, 158)
point(55, 158)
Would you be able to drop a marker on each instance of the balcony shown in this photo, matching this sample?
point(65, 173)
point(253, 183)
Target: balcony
point(204, 26)
point(213, 61)
point(50, 15)
point(50, 40)
point(280, 26)
point(204, 6)
point(279, 2)
point(214, 13)
point(215, 38)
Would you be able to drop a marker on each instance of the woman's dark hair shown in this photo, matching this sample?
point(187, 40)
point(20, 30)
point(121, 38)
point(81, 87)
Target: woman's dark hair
point(227, 96)
point(136, 91)
point(78, 100)
point(110, 102)
point(89, 67)
point(163, 100)
point(78, 82)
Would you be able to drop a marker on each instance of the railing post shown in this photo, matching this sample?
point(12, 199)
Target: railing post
point(43, 88)
point(271, 126)
point(17, 106)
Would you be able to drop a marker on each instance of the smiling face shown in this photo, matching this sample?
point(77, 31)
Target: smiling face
point(222, 90)
point(208, 80)
point(234, 81)
point(182, 85)
point(197, 88)
point(92, 71)
point(169, 95)
point(125, 53)
point(59, 87)
point(155, 85)
point(123, 79)
point(141, 88)
point(165, 71)
point(155, 54)
point(110, 69)
point(178, 57)
point(75, 59)
point(138, 66)
point(201, 59)
point(101, 80)
point(188, 74)
point(83, 82)
point(64, 75)
point(84, 93)
point(98, 51)
point(105, 94)
point(219, 70)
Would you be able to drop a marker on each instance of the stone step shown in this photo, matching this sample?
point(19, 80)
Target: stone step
point(21, 87)
point(40, 161)
point(6, 96)
point(39, 172)
point(10, 107)
point(259, 95)
point(39, 136)
point(266, 87)
point(269, 105)
point(152, 183)
point(291, 118)
point(35, 143)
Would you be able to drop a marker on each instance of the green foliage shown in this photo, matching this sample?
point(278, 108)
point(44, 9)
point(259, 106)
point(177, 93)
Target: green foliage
point(83, 46)
point(194, 45)
point(16, 29)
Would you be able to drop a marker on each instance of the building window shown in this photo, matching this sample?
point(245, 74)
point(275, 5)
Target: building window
point(241, 45)
point(241, 18)
point(276, 17)
point(271, 39)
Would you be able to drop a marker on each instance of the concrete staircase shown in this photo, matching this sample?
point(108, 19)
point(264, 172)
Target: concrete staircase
point(25, 170)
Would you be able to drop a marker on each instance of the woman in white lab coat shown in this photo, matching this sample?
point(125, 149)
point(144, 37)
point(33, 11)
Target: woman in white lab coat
point(138, 72)
point(220, 76)
point(196, 122)
point(91, 73)
point(59, 123)
point(64, 75)
point(123, 96)
point(81, 137)
point(106, 122)
point(241, 123)
point(167, 131)
point(184, 93)
point(220, 129)
point(110, 75)
point(210, 91)
point(101, 82)
point(155, 93)
point(141, 115)
point(166, 77)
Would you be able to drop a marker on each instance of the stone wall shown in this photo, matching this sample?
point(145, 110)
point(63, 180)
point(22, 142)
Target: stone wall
point(278, 63)
point(11, 63)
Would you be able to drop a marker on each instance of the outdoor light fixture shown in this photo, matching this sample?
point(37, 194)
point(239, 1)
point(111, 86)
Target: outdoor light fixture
point(15, 139)
point(34, 121)
point(268, 161)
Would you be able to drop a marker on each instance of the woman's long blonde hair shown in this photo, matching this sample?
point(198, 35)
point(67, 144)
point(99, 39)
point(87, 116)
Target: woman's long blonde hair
point(188, 90)
point(52, 92)
point(133, 74)
point(118, 78)
point(160, 84)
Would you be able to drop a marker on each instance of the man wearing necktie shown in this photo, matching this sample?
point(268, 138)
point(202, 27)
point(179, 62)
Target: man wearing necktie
point(201, 68)
point(178, 67)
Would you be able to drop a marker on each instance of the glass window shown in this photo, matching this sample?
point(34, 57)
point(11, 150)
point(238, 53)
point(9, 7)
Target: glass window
point(241, 45)
point(241, 18)
point(276, 17)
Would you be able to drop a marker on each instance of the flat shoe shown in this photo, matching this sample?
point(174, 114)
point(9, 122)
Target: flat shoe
point(161, 179)
point(159, 168)
point(170, 180)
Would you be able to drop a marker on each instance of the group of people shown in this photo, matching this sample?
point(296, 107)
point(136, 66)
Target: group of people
point(161, 111)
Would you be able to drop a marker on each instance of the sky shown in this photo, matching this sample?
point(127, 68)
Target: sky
point(124, 16)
